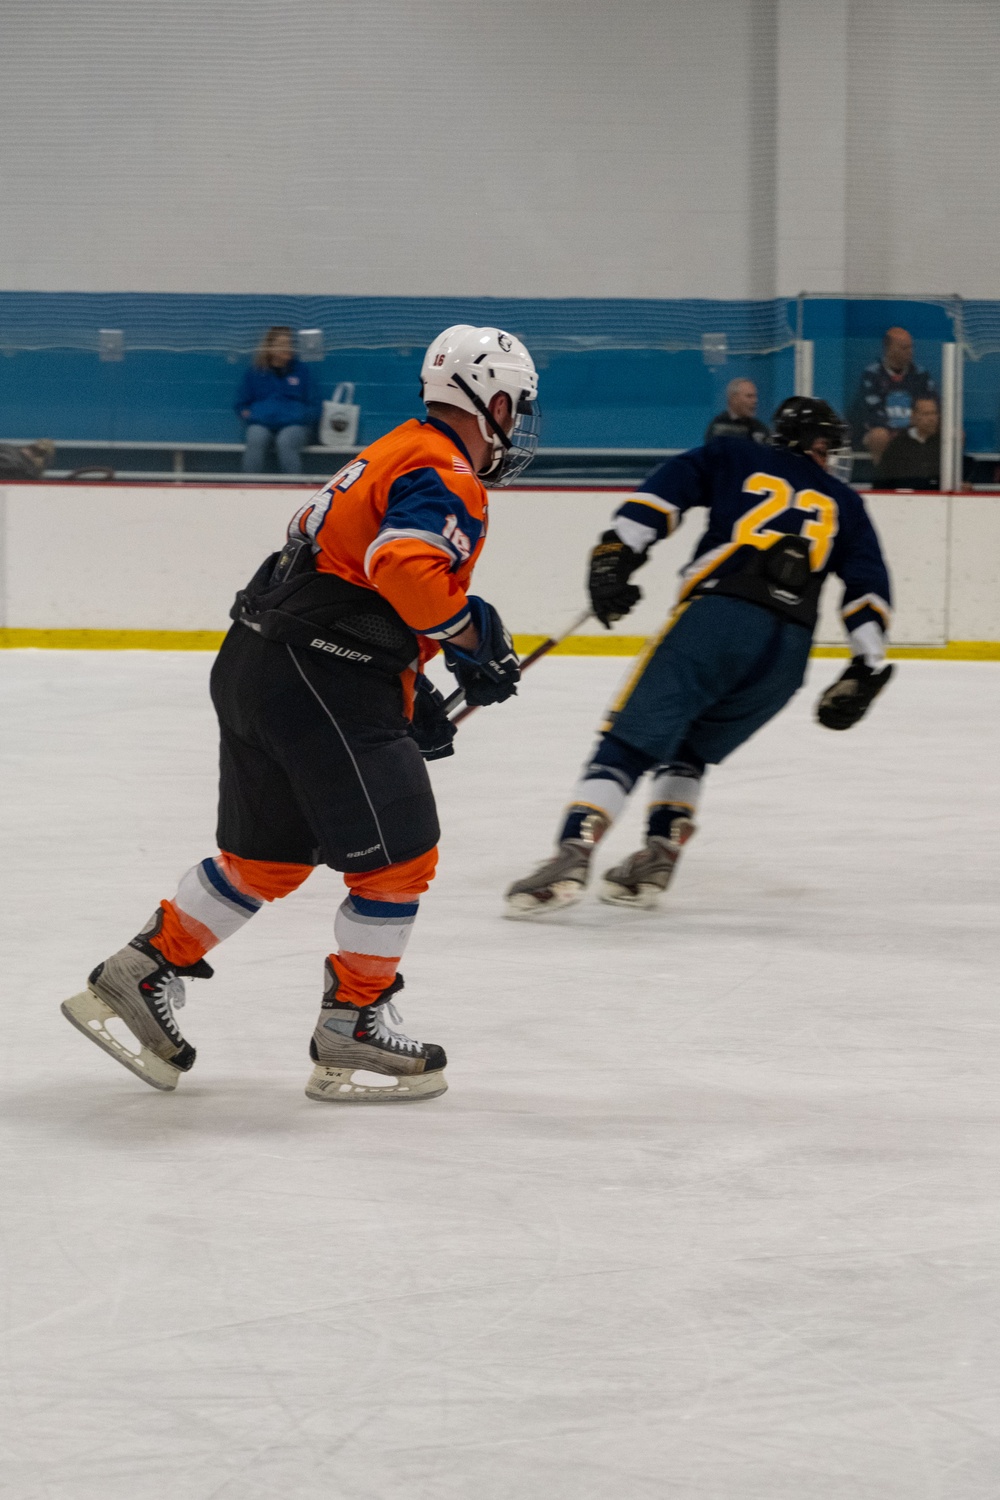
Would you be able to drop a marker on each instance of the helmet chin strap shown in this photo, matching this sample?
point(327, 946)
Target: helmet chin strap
point(492, 432)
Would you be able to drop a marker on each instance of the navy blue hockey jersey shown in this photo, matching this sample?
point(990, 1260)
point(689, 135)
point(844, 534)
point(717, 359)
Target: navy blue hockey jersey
point(755, 493)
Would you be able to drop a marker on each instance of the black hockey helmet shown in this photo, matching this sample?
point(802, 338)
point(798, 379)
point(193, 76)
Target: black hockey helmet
point(800, 421)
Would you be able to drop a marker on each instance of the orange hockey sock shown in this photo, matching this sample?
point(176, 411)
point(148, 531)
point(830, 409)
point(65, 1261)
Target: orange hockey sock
point(218, 897)
point(373, 926)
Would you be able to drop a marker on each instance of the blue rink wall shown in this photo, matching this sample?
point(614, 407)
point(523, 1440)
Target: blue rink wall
point(600, 386)
point(641, 398)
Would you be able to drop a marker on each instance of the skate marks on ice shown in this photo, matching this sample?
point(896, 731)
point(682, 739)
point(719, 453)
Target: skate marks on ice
point(710, 1211)
point(593, 1299)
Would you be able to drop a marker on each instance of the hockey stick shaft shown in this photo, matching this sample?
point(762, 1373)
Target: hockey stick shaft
point(457, 699)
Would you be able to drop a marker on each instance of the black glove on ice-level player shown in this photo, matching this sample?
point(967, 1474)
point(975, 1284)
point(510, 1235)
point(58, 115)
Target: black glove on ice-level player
point(491, 672)
point(848, 699)
point(612, 564)
point(431, 727)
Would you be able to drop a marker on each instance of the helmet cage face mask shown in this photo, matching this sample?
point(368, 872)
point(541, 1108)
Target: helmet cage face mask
point(840, 463)
point(511, 452)
point(523, 443)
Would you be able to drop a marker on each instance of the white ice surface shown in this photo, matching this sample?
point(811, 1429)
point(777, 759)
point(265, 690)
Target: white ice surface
point(710, 1212)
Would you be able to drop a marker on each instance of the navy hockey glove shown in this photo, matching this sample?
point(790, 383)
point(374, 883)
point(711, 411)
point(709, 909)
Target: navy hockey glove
point(612, 564)
point(431, 727)
point(848, 699)
point(491, 672)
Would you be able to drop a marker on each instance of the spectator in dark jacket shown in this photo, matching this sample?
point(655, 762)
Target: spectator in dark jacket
point(740, 416)
point(27, 462)
point(912, 459)
point(889, 387)
point(278, 402)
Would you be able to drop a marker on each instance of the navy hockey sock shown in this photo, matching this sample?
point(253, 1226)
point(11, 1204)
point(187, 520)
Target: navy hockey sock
point(604, 787)
point(674, 794)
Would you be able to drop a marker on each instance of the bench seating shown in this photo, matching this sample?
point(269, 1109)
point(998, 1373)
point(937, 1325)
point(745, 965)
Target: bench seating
point(214, 462)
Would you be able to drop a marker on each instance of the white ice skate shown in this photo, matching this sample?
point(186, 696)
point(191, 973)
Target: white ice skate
point(642, 878)
point(559, 882)
point(350, 1040)
point(138, 987)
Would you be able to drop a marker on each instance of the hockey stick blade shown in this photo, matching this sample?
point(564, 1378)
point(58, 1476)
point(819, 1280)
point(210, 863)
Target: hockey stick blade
point(457, 699)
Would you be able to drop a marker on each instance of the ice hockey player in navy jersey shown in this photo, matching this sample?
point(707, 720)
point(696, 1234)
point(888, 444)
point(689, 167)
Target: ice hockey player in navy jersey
point(736, 645)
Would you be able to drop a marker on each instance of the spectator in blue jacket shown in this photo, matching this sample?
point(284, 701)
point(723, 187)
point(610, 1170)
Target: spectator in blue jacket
point(278, 402)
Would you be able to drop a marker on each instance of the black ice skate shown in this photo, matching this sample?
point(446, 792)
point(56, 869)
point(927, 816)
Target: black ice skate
point(561, 880)
point(352, 1039)
point(642, 878)
point(139, 987)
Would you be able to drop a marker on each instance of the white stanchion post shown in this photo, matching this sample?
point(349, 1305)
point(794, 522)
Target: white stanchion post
point(804, 352)
point(950, 415)
point(3, 558)
point(958, 431)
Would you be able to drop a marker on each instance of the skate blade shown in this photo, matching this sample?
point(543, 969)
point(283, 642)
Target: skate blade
point(523, 905)
point(89, 1014)
point(644, 897)
point(342, 1086)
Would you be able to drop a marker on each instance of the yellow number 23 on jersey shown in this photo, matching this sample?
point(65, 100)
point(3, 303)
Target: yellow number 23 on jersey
point(752, 530)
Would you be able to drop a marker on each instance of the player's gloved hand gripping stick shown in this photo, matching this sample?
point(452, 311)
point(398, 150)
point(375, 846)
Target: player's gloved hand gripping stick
point(431, 727)
point(457, 700)
point(612, 564)
point(490, 673)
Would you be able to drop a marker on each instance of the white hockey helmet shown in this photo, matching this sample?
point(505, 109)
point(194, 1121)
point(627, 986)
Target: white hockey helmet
point(466, 367)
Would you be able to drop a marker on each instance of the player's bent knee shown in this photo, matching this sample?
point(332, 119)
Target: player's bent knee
point(268, 880)
point(409, 878)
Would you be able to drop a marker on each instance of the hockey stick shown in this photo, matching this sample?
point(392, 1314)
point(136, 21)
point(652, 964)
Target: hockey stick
point(457, 699)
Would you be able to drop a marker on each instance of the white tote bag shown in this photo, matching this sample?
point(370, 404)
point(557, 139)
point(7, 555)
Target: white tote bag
point(338, 426)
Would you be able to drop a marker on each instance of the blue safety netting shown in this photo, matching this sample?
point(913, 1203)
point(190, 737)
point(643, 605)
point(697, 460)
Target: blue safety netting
point(233, 324)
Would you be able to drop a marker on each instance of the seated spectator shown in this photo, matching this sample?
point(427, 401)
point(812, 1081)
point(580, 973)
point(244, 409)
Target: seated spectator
point(27, 462)
point(278, 402)
point(912, 459)
point(740, 416)
point(889, 387)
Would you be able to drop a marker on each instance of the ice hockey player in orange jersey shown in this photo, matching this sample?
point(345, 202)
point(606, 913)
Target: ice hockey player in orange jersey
point(326, 720)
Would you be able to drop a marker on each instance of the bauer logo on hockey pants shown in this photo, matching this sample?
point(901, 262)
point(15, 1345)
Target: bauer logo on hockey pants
point(339, 650)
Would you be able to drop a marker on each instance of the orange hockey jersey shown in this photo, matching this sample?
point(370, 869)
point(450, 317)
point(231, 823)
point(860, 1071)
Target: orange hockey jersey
point(406, 518)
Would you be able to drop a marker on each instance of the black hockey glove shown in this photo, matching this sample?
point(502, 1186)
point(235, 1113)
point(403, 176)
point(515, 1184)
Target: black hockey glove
point(848, 699)
point(431, 727)
point(612, 564)
point(491, 672)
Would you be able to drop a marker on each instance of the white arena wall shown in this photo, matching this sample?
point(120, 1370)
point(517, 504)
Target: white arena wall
point(661, 148)
point(168, 558)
